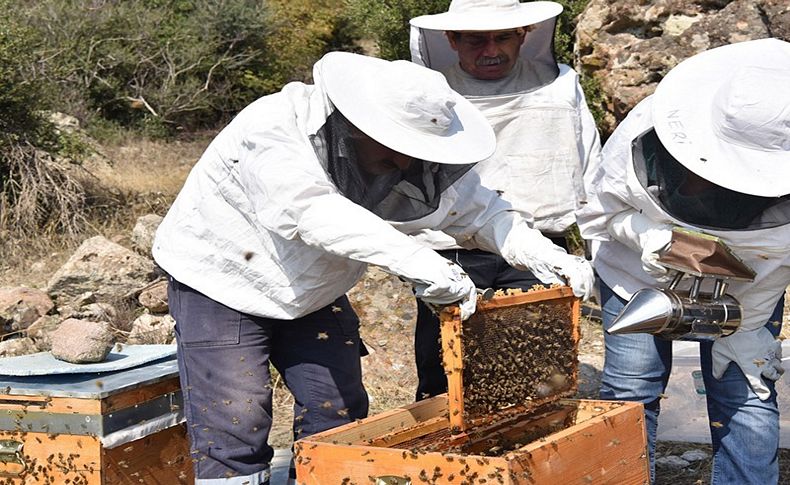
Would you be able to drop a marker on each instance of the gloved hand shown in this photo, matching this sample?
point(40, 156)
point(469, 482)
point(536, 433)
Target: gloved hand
point(756, 352)
point(578, 273)
point(448, 284)
point(645, 236)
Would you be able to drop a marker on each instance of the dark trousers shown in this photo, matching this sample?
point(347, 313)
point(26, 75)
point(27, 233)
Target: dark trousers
point(223, 359)
point(487, 270)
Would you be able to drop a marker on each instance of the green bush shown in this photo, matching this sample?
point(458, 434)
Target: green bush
point(181, 63)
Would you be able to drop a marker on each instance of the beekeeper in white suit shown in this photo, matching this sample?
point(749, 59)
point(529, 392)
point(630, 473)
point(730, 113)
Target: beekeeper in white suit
point(710, 151)
point(499, 55)
point(280, 217)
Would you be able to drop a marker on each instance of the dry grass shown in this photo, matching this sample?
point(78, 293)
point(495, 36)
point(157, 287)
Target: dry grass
point(131, 178)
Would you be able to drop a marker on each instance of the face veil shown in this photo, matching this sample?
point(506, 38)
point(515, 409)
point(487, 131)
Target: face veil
point(380, 186)
point(697, 201)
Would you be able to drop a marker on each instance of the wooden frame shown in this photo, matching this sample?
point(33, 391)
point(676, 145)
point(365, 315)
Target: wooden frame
point(606, 445)
point(452, 346)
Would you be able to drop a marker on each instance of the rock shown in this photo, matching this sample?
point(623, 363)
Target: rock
point(152, 329)
point(154, 297)
point(20, 307)
point(695, 455)
point(628, 47)
point(143, 233)
point(17, 346)
point(81, 341)
point(39, 332)
point(107, 269)
point(102, 312)
point(672, 461)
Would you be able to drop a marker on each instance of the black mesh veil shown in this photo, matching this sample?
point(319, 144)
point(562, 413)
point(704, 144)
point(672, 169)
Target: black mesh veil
point(395, 195)
point(697, 201)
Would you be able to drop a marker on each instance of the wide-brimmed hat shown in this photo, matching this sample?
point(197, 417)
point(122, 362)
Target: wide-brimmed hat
point(406, 107)
point(725, 115)
point(487, 15)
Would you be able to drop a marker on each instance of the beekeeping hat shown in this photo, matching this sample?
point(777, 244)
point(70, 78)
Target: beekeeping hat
point(724, 114)
point(486, 15)
point(405, 107)
point(429, 46)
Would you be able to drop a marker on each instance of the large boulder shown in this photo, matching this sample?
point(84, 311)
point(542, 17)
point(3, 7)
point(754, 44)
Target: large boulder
point(81, 341)
point(103, 267)
point(20, 307)
point(629, 46)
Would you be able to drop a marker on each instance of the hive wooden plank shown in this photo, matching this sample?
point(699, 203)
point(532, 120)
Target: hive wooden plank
point(50, 458)
point(159, 459)
point(605, 445)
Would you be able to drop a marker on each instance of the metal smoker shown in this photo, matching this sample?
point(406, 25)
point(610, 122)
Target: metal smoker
point(689, 314)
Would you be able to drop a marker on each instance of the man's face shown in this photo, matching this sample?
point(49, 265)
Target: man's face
point(376, 159)
point(487, 55)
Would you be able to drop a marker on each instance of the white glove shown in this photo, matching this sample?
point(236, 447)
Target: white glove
point(446, 284)
point(578, 274)
point(644, 236)
point(756, 352)
point(527, 249)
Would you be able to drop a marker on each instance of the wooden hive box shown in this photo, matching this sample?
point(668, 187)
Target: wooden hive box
point(501, 422)
point(122, 427)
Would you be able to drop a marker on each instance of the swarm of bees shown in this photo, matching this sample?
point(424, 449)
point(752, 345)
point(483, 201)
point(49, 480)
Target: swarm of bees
point(516, 355)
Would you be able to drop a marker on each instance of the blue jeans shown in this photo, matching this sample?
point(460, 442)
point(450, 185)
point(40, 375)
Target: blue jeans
point(223, 361)
point(746, 437)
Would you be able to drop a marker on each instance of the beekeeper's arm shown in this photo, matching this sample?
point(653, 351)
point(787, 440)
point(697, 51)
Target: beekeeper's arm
point(607, 215)
point(292, 196)
point(483, 220)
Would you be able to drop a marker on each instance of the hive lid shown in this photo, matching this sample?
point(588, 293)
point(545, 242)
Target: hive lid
point(517, 352)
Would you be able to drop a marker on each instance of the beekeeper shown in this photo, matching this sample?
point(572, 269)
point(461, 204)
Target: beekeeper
point(710, 151)
point(280, 217)
point(499, 55)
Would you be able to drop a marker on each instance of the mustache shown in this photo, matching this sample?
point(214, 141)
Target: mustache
point(491, 61)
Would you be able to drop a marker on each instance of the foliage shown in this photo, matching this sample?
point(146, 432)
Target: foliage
point(148, 63)
point(386, 22)
point(566, 23)
point(301, 32)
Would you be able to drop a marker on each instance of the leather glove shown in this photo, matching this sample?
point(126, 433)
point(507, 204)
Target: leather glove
point(447, 284)
point(756, 352)
point(645, 236)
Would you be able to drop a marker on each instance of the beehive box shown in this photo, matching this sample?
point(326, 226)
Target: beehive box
point(504, 419)
point(123, 427)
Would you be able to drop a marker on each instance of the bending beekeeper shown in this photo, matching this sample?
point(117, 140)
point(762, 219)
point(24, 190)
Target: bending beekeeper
point(499, 55)
point(710, 151)
point(280, 217)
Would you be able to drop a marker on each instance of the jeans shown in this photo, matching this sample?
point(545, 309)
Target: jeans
point(486, 270)
point(223, 360)
point(745, 436)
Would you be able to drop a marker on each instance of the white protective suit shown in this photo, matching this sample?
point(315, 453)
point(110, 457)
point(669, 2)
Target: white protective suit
point(275, 238)
point(546, 135)
point(619, 195)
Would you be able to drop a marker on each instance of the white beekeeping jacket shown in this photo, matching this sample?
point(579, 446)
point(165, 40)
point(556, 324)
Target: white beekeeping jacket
point(613, 187)
point(260, 227)
point(546, 135)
